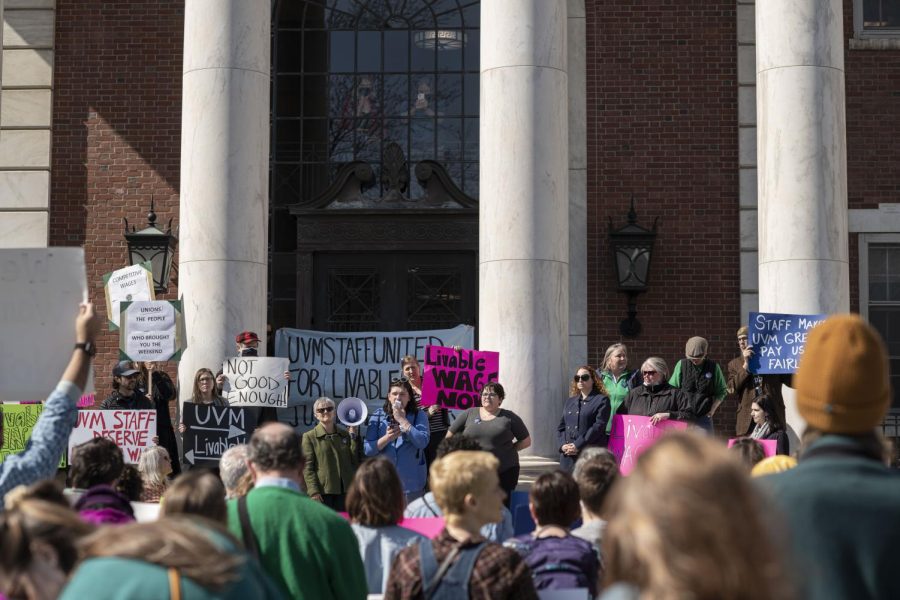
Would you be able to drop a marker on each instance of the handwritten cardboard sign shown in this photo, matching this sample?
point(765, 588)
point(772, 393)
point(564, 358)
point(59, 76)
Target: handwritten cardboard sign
point(40, 289)
point(632, 435)
point(211, 430)
point(256, 381)
point(130, 284)
point(352, 365)
point(131, 430)
point(769, 446)
point(18, 421)
point(151, 330)
point(453, 379)
point(778, 341)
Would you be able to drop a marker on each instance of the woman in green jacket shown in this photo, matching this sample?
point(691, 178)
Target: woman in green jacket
point(331, 454)
point(617, 379)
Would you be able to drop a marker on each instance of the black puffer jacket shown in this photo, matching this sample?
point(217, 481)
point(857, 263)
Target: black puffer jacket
point(647, 401)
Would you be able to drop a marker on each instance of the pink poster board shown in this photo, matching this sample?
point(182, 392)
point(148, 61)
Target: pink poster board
point(769, 446)
point(430, 527)
point(631, 435)
point(454, 378)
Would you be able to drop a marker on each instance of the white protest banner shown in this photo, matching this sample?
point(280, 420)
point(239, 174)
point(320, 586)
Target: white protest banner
point(40, 289)
point(256, 381)
point(151, 330)
point(343, 365)
point(131, 430)
point(127, 285)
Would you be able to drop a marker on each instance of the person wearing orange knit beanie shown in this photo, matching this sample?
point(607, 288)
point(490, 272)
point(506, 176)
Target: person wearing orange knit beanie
point(841, 502)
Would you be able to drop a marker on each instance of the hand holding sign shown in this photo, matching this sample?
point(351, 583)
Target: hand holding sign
point(454, 378)
point(778, 341)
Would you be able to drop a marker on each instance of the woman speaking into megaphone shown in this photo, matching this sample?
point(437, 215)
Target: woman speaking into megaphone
point(332, 455)
point(399, 432)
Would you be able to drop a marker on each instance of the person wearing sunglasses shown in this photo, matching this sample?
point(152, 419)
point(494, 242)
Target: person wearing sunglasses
point(399, 431)
point(332, 456)
point(584, 417)
point(656, 398)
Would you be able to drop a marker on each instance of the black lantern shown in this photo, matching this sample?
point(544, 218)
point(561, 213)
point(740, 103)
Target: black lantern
point(632, 247)
point(153, 245)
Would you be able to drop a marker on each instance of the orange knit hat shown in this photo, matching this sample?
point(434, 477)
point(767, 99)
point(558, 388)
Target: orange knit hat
point(843, 383)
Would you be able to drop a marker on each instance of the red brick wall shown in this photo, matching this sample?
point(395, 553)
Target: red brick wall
point(116, 133)
point(662, 125)
point(873, 121)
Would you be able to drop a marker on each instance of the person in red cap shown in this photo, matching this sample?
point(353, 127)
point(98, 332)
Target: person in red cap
point(247, 343)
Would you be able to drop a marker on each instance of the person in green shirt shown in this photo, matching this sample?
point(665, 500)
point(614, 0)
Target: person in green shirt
point(304, 546)
point(701, 379)
point(617, 378)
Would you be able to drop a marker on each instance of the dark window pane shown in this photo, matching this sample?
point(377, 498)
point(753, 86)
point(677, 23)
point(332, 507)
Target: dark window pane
point(287, 140)
point(340, 19)
point(341, 96)
point(893, 274)
point(315, 96)
point(470, 144)
point(284, 231)
point(340, 140)
point(354, 299)
point(881, 14)
point(455, 170)
point(449, 95)
point(396, 95)
point(472, 50)
point(471, 13)
point(396, 51)
point(315, 140)
point(422, 134)
point(287, 100)
point(288, 50)
point(342, 51)
point(397, 131)
point(283, 314)
point(313, 16)
point(284, 268)
point(315, 52)
point(421, 103)
point(472, 89)
point(449, 140)
point(313, 179)
point(470, 175)
point(285, 185)
point(434, 296)
point(368, 51)
point(423, 55)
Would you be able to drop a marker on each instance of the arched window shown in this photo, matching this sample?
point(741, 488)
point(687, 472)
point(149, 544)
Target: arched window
point(352, 76)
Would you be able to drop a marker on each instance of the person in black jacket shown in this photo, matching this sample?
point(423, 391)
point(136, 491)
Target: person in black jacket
point(767, 424)
point(584, 417)
point(656, 398)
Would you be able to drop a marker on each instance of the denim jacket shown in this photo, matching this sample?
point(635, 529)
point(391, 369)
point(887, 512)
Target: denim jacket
point(407, 452)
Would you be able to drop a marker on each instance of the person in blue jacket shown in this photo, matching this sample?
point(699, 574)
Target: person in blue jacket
point(584, 418)
point(399, 432)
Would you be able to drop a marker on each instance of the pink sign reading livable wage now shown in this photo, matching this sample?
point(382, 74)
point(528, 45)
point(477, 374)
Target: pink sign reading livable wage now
point(454, 378)
point(631, 435)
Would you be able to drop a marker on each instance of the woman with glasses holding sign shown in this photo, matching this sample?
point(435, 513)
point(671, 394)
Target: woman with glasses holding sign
point(399, 431)
point(584, 418)
point(332, 455)
point(499, 431)
point(656, 398)
point(438, 416)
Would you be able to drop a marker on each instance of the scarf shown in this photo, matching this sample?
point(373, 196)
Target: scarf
point(760, 431)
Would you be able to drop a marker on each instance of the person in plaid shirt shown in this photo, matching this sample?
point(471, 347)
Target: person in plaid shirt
point(459, 562)
point(51, 432)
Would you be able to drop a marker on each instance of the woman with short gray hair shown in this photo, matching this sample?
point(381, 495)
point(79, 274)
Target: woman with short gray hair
point(331, 456)
point(655, 398)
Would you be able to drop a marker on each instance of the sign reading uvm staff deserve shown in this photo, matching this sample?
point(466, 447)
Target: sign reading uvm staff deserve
point(778, 341)
point(131, 430)
point(361, 365)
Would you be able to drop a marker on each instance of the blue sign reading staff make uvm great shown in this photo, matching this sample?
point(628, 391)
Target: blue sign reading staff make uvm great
point(778, 341)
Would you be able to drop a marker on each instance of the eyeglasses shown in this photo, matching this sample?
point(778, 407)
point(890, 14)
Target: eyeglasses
point(205, 380)
point(490, 395)
point(584, 377)
point(399, 380)
point(324, 410)
point(648, 373)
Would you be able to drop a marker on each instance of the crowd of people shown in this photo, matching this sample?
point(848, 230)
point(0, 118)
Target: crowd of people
point(693, 519)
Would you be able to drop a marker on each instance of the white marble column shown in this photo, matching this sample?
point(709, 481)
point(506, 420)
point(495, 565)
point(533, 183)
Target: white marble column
point(524, 218)
point(802, 159)
point(577, 106)
point(223, 226)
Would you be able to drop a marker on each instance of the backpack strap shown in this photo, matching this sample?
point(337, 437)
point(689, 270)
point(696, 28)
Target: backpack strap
point(454, 574)
point(429, 507)
point(247, 534)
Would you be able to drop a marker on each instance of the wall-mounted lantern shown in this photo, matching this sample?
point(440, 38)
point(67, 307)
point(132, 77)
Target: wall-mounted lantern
point(154, 245)
point(632, 248)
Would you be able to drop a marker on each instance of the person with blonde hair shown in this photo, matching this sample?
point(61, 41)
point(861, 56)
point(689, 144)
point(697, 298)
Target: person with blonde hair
point(688, 523)
point(467, 489)
point(155, 466)
point(774, 464)
point(197, 492)
point(617, 379)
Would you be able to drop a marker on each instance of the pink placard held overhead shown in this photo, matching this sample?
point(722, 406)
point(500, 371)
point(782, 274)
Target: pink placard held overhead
point(769, 446)
point(454, 378)
point(631, 435)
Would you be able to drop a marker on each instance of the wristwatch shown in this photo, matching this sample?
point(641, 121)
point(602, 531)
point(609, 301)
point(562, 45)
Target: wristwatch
point(89, 348)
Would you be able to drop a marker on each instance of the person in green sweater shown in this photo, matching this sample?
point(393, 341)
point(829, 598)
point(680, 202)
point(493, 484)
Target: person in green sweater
point(617, 379)
point(304, 546)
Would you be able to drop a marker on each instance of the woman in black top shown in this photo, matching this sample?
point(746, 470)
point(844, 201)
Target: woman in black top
point(656, 398)
point(767, 425)
point(584, 418)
